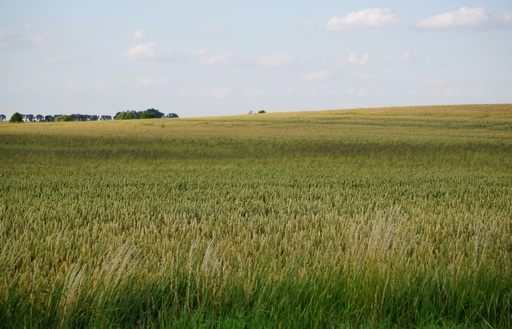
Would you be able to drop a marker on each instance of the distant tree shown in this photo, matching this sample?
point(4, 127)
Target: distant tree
point(126, 115)
point(172, 115)
point(65, 117)
point(106, 117)
point(148, 115)
point(262, 111)
point(2, 117)
point(49, 118)
point(16, 117)
point(157, 113)
point(93, 117)
point(29, 117)
point(39, 117)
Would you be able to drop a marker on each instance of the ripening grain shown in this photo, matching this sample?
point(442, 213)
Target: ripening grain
point(384, 217)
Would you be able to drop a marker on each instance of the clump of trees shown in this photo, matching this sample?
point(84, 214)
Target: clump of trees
point(148, 114)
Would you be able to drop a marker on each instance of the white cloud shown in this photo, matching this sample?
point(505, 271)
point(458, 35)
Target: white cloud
point(407, 57)
point(206, 57)
point(354, 59)
point(138, 35)
point(39, 40)
point(45, 39)
point(70, 85)
point(216, 33)
point(464, 17)
point(507, 18)
point(147, 51)
point(317, 75)
point(278, 60)
point(217, 93)
point(373, 17)
point(410, 58)
point(361, 92)
point(142, 51)
point(14, 40)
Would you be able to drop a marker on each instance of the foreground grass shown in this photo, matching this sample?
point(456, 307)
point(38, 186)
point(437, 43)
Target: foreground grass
point(394, 217)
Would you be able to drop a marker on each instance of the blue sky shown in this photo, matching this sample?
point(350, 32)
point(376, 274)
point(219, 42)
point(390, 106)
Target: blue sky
point(224, 57)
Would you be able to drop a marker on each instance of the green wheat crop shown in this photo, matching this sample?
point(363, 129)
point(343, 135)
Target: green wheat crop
point(396, 217)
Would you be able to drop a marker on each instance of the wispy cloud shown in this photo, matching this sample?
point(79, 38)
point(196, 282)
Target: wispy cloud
point(407, 57)
point(369, 76)
point(138, 35)
point(506, 18)
point(9, 39)
point(464, 17)
point(14, 40)
point(142, 51)
point(360, 92)
point(278, 60)
point(146, 51)
point(309, 24)
point(150, 82)
point(318, 75)
point(356, 60)
point(51, 40)
point(372, 17)
point(207, 57)
point(218, 32)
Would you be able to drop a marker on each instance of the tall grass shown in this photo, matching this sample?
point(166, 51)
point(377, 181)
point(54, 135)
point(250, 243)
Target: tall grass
point(368, 218)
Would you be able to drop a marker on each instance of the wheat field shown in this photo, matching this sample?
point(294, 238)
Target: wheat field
point(380, 218)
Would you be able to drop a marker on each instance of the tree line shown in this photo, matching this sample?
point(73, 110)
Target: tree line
point(124, 115)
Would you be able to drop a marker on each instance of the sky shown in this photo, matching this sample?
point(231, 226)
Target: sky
point(227, 57)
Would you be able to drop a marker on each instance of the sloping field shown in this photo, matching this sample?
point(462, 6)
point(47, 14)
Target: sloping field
point(393, 217)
